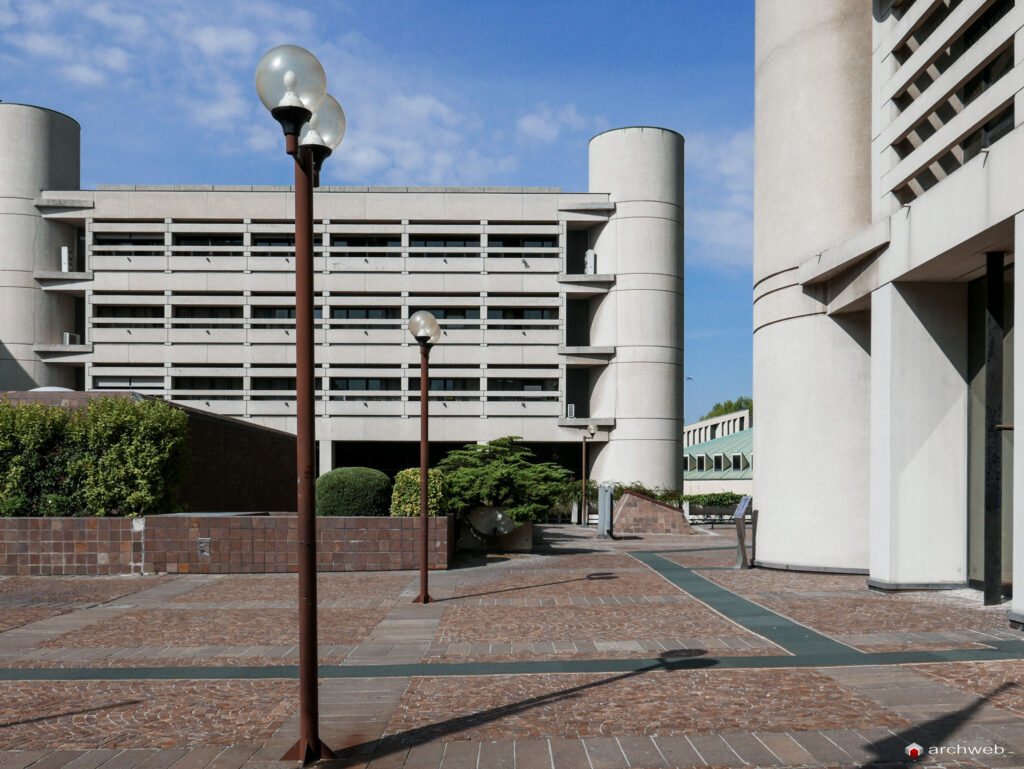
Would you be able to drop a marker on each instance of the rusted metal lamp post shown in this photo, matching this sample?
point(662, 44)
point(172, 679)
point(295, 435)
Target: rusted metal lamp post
point(584, 518)
point(425, 329)
point(292, 85)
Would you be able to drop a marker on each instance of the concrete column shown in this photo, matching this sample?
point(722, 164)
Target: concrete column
point(326, 457)
point(1017, 607)
point(812, 188)
point(919, 402)
point(642, 315)
point(41, 152)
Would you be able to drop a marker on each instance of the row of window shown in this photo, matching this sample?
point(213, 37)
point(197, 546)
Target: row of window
point(285, 240)
point(703, 463)
point(261, 312)
point(369, 384)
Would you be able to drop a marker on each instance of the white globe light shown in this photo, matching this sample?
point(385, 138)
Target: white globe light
point(326, 127)
point(424, 326)
point(290, 76)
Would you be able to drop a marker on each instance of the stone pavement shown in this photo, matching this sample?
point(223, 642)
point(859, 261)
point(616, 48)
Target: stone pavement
point(629, 654)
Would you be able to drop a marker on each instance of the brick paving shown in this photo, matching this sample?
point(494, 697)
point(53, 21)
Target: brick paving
point(577, 601)
point(668, 703)
point(228, 627)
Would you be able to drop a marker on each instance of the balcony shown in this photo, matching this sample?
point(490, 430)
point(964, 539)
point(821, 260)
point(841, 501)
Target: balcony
point(581, 357)
point(583, 285)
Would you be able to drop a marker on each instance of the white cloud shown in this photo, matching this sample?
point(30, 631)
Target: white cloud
point(39, 44)
point(720, 199)
point(126, 24)
point(83, 74)
point(545, 123)
point(222, 41)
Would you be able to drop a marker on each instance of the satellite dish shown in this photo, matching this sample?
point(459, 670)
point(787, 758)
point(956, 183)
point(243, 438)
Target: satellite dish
point(491, 521)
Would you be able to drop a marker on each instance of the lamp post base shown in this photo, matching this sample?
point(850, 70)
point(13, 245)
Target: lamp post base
point(423, 598)
point(308, 752)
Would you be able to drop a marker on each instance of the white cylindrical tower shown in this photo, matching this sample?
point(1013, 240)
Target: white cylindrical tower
point(40, 151)
point(641, 316)
point(811, 371)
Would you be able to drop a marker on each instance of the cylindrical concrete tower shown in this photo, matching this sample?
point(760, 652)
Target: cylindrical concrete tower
point(40, 152)
point(811, 371)
point(642, 314)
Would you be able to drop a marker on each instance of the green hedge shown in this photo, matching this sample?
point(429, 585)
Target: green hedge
point(405, 499)
point(114, 456)
point(718, 499)
point(353, 491)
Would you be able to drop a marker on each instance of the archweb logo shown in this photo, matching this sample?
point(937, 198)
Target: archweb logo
point(914, 750)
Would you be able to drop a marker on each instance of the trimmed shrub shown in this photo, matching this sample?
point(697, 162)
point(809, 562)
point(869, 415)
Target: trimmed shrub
point(405, 499)
point(353, 491)
point(114, 456)
point(717, 499)
point(503, 473)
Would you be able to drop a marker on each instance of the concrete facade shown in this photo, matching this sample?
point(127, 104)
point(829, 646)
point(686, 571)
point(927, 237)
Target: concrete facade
point(888, 164)
point(559, 309)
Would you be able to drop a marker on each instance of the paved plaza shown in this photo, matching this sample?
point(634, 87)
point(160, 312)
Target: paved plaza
point(589, 654)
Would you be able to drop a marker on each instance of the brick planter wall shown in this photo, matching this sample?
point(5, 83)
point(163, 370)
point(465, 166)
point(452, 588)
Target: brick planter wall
point(45, 546)
point(637, 514)
point(237, 544)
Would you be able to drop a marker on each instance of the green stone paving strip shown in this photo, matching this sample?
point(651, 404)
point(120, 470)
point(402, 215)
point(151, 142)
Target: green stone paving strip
point(1004, 650)
point(795, 638)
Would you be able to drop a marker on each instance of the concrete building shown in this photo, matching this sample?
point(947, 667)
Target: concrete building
point(889, 158)
point(559, 309)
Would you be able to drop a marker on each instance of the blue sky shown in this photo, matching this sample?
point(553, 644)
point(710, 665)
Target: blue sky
point(479, 92)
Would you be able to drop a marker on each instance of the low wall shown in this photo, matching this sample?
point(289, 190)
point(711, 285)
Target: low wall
point(637, 514)
point(214, 544)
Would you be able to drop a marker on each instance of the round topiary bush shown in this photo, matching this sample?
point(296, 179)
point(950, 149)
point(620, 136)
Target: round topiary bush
point(353, 491)
point(406, 498)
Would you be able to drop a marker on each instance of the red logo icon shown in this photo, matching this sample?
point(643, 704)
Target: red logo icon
point(914, 750)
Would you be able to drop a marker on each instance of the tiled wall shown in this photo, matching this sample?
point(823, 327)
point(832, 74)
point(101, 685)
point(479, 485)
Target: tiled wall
point(635, 514)
point(237, 544)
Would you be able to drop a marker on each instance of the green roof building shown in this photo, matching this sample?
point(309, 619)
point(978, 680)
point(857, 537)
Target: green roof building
point(721, 464)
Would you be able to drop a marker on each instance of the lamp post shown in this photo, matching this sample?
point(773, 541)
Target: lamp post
point(292, 85)
point(584, 518)
point(425, 329)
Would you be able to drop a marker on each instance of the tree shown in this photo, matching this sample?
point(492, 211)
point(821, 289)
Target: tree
point(502, 473)
point(743, 403)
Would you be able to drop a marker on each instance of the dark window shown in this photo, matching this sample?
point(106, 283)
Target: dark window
point(445, 241)
point(447, 314)
point(446, 385)
point(203, 312)
point(522, 313)
point(207, 383)
point(284, 383)
point(522, 241)
point(366, 241)
point(364, 384)
point(123, 311)
point(522, 385)
point(204, 244)
point(367, 313)
point(273, 241)
point(127, 239)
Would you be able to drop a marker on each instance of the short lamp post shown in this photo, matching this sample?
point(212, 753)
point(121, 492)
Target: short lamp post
point(426, 331)
point(584, 518)
point(291, 84)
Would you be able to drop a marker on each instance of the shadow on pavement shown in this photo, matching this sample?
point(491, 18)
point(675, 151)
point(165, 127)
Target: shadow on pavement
point(72, 713)
point(402, 741)
point(892, 750)
point(587, 578)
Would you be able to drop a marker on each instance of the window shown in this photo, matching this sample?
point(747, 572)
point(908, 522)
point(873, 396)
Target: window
point(207, 312)
point(366, 241)
point(133, 311)
point(128, 382)
point(207, 383)
point(446, 384)
point(520, 242)
point(445, 241)
point(719, 462)
point(286, 384)
point(283, 241)
point(366, 388)
point(367, 313)
point(522, 313)
point(208, 244)
point(146, 243)
point(447, 314)
point(522, 386)
point(284, 316)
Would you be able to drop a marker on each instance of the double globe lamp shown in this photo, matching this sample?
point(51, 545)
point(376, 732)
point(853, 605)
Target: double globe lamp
point(291, 84)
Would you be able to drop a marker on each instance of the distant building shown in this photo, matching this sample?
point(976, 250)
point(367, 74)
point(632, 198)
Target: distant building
point(716, 427)
point(559, 309)
point(720, 464)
